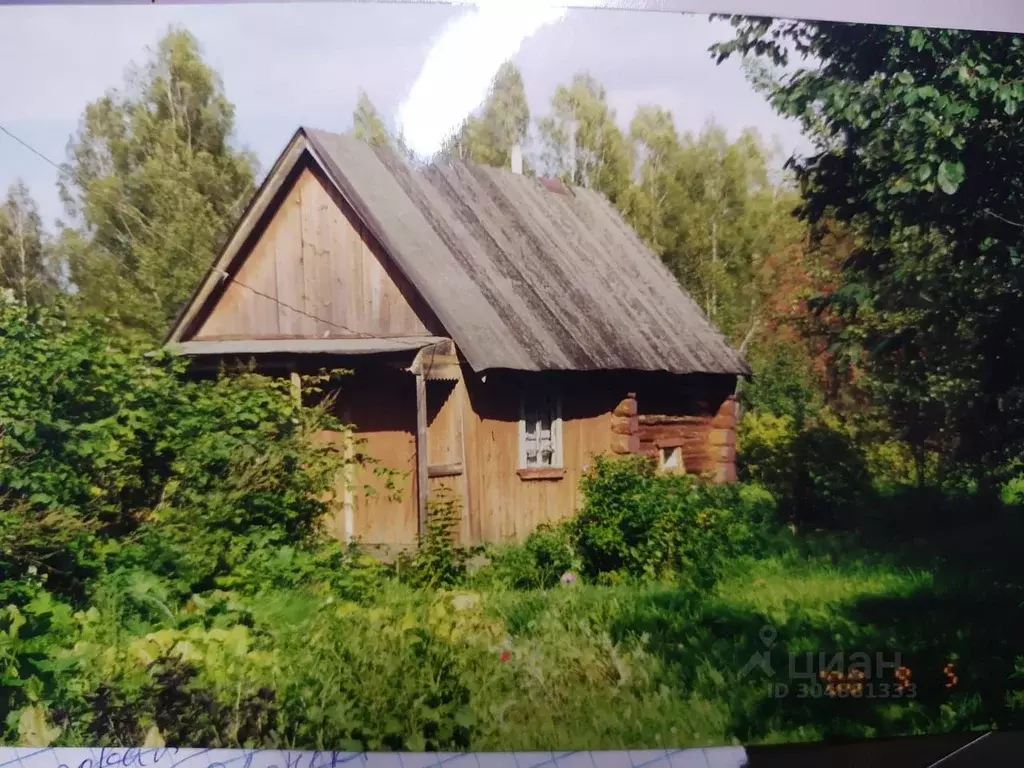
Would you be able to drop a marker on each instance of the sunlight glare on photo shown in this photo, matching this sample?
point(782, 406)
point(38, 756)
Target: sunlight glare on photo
point(459, 68)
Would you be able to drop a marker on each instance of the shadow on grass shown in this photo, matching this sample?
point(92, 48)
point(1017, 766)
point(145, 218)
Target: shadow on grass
point(969, 615)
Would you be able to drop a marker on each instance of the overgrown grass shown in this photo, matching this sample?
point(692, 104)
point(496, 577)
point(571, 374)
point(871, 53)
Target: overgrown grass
point(783, 588)
point(573, 667)
point(326, 648)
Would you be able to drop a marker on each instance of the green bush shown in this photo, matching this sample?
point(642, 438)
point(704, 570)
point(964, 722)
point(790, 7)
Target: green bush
point(540, 562)
point(833, 483)
point(30, 673)
point(438, 561)
point(110, 459)
point(891, 464)
point(619, 514)
point(326, 568)
point(1013, 491)
point(766, 451)
point(818, 472)
point(552, 553)
point(638, 523)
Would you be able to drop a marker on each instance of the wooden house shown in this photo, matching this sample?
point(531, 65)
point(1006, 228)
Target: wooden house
point(501, 330)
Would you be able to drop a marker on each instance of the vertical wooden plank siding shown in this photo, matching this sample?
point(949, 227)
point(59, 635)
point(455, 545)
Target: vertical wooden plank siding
point(247, 305)
point(503, 505)
point(317, 265)
point(288, 264)
point(602, 413)
point(320, 273)
point(468, 420)
point(460, 402)
point(348, 480)
point(380, 407)
point(445, 446)
point(416, 425)
point(442, 424)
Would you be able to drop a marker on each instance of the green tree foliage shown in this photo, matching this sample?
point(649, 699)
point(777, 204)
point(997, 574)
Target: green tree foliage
point(652, 204)
point(817, 470)
point(583, 145)
point(916, 134)
point(504, 120)
point(784, 381)
point(28, 267)
point(367, 124)
point(154, 185)
point(732, 218)
point(710, 209)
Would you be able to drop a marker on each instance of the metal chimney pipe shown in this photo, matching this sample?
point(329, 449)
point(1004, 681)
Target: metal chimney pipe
point(517, 159)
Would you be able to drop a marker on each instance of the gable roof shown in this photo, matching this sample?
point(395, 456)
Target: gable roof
point(523, 274)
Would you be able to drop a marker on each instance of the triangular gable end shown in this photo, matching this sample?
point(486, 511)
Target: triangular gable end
point(300, 264)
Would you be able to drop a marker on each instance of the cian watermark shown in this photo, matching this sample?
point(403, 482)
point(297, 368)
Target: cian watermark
point(810, 675)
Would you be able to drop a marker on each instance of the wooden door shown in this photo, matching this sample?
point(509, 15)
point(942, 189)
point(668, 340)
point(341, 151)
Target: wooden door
point(446, 460)
point(380, 405)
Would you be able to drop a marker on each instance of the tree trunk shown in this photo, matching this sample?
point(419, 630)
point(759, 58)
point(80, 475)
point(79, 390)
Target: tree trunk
point(22, 256)
point(712, 304)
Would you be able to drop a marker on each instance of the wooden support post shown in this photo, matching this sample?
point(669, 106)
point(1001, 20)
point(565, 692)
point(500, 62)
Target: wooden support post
point(348, 503)
point(422, 483)
point(296, 387)
point(467, 526)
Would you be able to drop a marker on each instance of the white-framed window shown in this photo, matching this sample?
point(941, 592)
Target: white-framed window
point(540, 431)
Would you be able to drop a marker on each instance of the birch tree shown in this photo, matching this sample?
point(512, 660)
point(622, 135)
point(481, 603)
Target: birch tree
point(503, 120)
point(367, 124)
point(583, 144)
point(28, 269)
point(153, 185)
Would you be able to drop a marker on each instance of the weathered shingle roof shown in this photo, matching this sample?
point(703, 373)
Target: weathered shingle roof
point(523, 277)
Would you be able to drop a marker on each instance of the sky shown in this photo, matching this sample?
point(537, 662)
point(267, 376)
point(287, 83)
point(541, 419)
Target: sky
point(290, 64)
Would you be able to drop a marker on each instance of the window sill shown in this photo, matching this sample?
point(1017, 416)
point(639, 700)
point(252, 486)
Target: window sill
point(541, 473)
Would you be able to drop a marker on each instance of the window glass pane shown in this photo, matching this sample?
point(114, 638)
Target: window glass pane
point(670, 457)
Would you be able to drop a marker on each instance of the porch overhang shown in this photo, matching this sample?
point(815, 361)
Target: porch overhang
point(298, 354)
point(340, 347)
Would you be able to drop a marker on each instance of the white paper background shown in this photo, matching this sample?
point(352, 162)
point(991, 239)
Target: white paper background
point(719, 757)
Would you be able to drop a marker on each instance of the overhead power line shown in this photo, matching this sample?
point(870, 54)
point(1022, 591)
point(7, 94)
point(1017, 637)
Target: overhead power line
point(141, 219)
